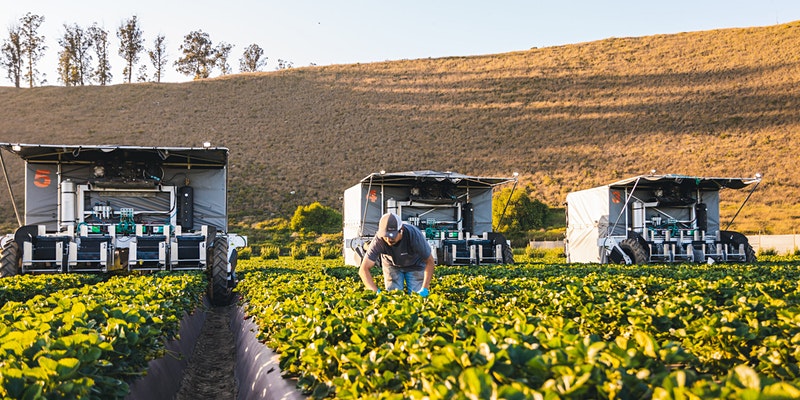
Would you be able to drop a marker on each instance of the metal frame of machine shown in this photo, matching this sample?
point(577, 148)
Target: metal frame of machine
point(454, 211)
point(655, 218)
point(101, 208)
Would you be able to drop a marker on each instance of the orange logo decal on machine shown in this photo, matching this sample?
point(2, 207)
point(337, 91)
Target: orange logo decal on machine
point(615, 196)
point(42, 178)
point(372, 196)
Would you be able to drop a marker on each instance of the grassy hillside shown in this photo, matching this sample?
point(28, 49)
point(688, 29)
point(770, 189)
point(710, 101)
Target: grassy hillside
point(715, 103)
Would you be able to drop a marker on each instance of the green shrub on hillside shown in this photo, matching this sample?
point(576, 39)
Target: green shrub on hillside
point(519, 214)
point(316, 218)
point(270, 252)
point(535, 252)
point(330, 252)
point(299, 252)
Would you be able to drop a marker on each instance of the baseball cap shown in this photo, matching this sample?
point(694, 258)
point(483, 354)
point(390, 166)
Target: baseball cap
point(389, 226)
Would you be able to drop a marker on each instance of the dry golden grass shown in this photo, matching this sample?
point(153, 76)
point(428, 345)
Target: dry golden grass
point(716, 103)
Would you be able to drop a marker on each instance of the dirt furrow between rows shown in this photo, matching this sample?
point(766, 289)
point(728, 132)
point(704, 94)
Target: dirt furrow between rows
point(210, 373)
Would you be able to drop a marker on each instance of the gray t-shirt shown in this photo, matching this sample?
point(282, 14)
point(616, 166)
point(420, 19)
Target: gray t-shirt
point(409, 254)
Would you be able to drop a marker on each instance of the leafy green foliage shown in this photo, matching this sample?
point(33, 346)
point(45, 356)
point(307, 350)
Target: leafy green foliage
point(520, 214)
point(270, 252)
point(552, 255)
point(299, 251)
point(767, 252)
point(316, 218)
point(535, 330)
point(23, 287)
point(274, 231)
point(330, 252)
point(89, 341)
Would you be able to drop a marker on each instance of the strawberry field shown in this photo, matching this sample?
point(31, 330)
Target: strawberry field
point(534, 330)
point(77, 336)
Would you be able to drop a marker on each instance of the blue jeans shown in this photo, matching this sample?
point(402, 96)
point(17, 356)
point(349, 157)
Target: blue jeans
point(396, 279)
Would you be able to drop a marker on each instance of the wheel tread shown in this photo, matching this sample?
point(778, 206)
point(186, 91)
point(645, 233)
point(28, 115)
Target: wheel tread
point(635, 251)
point(9, 258)
point(219, 291)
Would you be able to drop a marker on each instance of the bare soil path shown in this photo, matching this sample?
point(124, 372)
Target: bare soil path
point(210, 373)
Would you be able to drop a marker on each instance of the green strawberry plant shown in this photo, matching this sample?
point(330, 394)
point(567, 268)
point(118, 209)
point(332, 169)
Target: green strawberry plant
point(90, 341)
point(533, 330)
point(23, 287)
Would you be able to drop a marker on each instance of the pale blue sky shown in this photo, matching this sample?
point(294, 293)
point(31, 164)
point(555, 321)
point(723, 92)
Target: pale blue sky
point(350, 31)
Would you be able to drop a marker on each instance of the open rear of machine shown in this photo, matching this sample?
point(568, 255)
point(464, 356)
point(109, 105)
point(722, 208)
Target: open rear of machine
point(656, 218)
point(98, 208)
point(454, 211)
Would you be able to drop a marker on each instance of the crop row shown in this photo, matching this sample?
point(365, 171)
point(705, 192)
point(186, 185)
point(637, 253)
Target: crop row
point(534, 331)
point(23, 287)
point(90, 341)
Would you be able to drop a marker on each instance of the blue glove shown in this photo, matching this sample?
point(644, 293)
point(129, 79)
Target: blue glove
point(424, 292)
point(377, 291)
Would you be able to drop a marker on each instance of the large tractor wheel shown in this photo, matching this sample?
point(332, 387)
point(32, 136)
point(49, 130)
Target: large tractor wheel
point(508, 255)
point(219, 291)
point(10, 259)
point(735, 239)
point(634, 250)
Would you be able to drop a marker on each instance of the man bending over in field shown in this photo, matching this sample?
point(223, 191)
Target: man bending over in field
point(405, 257)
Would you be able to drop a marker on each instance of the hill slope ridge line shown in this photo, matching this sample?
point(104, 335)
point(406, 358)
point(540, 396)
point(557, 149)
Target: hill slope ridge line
point(712, 103)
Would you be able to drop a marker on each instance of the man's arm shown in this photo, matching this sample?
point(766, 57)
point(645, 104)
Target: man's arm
point(428, 272)
point(366, 275)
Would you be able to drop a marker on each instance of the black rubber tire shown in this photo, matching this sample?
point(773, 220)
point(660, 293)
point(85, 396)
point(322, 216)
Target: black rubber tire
point(735, 239)
point(219, 292)
point(508, 255)
point(751, 254)
point(635, 251)
point(10, 259)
